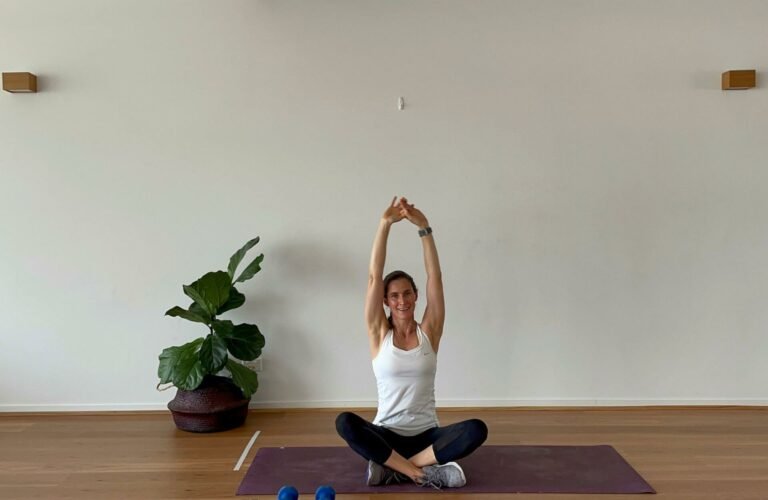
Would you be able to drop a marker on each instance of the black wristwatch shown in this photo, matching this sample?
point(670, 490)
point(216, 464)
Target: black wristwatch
point(423, 232)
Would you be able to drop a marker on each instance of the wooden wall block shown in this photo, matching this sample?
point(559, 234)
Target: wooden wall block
point(739, 79)
point(19, 82)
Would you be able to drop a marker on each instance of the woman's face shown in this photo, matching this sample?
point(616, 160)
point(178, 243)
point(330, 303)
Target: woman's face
point(401, 299)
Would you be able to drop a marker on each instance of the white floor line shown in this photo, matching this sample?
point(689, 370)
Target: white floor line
point(246, 450)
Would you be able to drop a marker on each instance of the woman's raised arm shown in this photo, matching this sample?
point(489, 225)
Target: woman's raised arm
point(434, 313)
point(375, 318)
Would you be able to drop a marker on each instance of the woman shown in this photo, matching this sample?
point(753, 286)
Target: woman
point(405, 440)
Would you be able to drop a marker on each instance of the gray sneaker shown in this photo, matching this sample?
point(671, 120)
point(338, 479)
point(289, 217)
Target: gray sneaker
point(381, 475)
point(447, 475)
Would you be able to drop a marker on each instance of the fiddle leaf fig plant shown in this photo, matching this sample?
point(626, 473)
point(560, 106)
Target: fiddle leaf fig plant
point(212, 294)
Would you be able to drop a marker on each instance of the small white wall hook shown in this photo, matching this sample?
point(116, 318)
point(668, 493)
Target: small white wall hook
point(400, 103)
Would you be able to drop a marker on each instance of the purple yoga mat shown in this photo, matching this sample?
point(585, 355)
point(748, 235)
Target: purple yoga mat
point(490, 469)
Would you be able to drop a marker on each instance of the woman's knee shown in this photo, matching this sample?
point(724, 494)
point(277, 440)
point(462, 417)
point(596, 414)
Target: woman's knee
point(477, 430)
point(346, 423)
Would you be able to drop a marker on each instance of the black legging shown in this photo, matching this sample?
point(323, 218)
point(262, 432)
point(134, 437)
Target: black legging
point(376, 443)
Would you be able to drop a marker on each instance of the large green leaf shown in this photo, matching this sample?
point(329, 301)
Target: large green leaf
point(167, 360)
point(180, 312)
point(189, 372)
point(211, 291)
point(193, 294)
point(223, 327)
point(213, 353)
point(253, 268)
point(236, 299)
point(245, 378)
point(245, 342)
point(196, 308)
point(181, 365)
point(234, 261)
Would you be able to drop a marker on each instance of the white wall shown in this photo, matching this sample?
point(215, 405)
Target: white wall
point(600, 205)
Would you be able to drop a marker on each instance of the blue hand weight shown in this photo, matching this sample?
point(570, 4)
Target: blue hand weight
point(288, 493)
point(325, 493)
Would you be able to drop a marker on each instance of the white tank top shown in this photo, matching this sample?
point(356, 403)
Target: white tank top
point(406, 385)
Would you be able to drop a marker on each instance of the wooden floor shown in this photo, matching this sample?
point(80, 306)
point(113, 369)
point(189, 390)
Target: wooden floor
point(694, 454)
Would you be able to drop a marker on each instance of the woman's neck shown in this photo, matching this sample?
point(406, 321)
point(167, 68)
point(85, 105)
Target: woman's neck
point(404, 327)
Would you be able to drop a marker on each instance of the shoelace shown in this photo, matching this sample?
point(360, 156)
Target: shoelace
point(394, 477)
point(436, 483)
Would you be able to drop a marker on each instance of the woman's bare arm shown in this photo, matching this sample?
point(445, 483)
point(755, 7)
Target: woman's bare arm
point(434, 313)
point(375, 318)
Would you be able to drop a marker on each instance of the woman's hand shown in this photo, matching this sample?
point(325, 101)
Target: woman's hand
point(393, 213)
point(412, 213)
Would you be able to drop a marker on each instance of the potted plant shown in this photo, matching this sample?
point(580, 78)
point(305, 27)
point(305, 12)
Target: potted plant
point(214, 388)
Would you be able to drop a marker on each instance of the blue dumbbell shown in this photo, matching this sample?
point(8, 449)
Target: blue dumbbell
point(325, 493)
point(288, 493)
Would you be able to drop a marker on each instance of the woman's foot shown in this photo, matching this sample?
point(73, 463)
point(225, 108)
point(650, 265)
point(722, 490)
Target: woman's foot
point(381, 475)
point(448, 475)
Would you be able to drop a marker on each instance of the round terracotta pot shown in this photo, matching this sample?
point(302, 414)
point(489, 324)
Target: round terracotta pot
point(217, 405)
